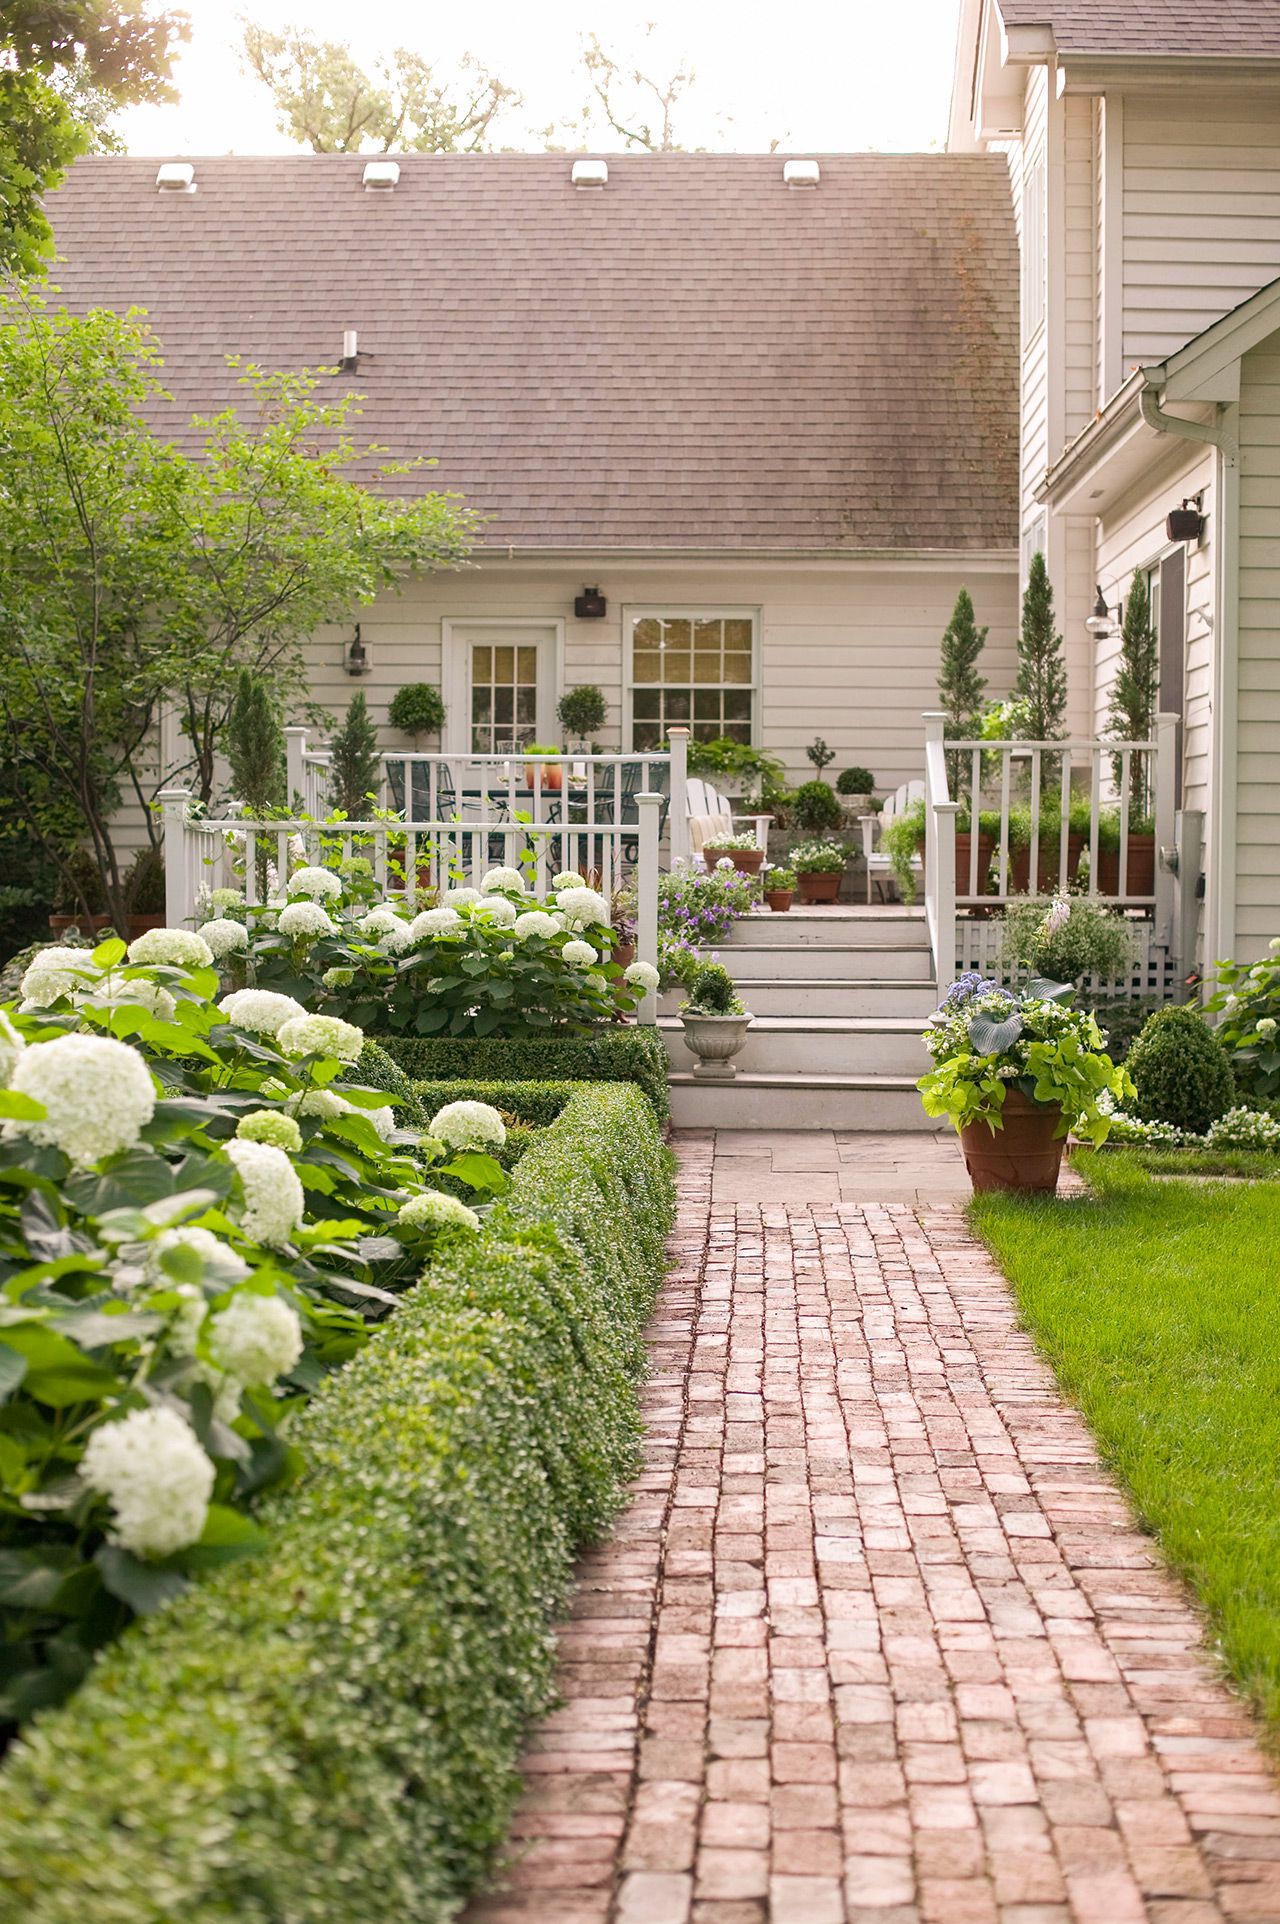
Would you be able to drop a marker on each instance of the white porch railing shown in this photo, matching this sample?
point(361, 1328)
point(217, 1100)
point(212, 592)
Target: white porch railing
point(1061, 791)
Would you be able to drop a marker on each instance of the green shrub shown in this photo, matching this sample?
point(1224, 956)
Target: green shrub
point(537, 1103)
point(613, 1055)
point(1180, 1071)
point(583, 711)
point(1248, 999)
point(815, 807)
point(333, 1736)
point(1092, 941)
point(417, 709)
point(855, 781)
point(712, 991)
point(378, 1071)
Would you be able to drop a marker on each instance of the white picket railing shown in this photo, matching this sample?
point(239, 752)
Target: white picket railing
point(1047, 779)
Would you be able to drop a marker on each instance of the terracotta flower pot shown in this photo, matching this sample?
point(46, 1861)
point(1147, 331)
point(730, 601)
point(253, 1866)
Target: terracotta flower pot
point(747, 861)
point(551, 772)
point(86, 924)
point(779, 900)
point(624, 954)
point(1025, 1154)
point(139, 924)
point(1047, 882)
point(986, 848)
point(819, 888)
point(1141, 877)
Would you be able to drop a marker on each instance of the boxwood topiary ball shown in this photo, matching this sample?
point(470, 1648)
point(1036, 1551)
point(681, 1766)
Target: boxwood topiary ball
point(1180, 1071)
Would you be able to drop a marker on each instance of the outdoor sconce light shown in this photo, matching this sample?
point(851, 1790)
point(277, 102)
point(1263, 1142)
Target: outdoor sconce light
point(356, 658)
point(1185, 523)
point(1100, 624)
point(350, 351)
point(590, 605)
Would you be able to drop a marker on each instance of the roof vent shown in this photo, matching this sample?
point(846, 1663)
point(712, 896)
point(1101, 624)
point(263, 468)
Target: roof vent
point(590, 173)
point(381, 175)
point(801, 173)
point(176, 177)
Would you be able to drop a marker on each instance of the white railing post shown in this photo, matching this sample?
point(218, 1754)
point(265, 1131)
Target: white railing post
point(678, 818)
point(939, 852)
point(295, 750)
point(179, 905)
point(649, 807)
point(1164, 789)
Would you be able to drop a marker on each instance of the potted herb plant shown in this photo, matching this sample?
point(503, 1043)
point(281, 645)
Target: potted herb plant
point(819, 867)
point(1140, 876)
point(903, 842)
point(714, 1021)
point(742, 850)
point(1015, 1071)
point(1048, 854)
point(779, 888)
point(552, 775)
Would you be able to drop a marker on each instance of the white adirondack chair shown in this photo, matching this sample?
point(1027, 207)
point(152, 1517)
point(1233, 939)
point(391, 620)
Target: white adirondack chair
point(879, 867)
point(710, 814)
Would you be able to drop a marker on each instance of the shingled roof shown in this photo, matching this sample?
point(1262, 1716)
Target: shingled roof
point(694, 355)
point(1223, 28)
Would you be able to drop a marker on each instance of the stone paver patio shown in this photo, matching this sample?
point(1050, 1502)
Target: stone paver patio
point(877, 1639)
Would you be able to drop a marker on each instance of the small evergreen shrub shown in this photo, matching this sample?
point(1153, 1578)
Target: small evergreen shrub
point(855, 781)
point(417, 709)
point(354, 765)
point(1180, 1071)
point(1090, 941)
point(630, 1054)
point(712, 991)
point(815, 807)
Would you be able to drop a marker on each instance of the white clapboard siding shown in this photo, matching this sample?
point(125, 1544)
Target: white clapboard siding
point(1026, 157)
point(1258, 756)
point(1080, 215)
point(1201, 215)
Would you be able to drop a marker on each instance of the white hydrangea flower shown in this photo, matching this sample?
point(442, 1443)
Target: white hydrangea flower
point(270, 1125)
point(221, 1263)
point(583, 908)
point(643, 975)
point(225, 937)
point(11, 1046)
point(568, 879)
point(261, 1010)
point(222, 899)
point(396, 938)
point(157, 1478)
point(338, 978)
point(383, 1120)
point(1274, 945)
point(97, 1093)
point(121, 991)
point(310, 1035)
point(580, 953)
point(186, 1319)
point(469, 1125)
point(320, 883)
point(433, 922)
point(178, 948)
point(379, 920)
point(495, 909)
point(273, 1198)
point(256, 1338)
point(56, 972)
point(460, 898)
point(499, 879)
point(434, 1210)
point(1267, 1027)
point(535, 922)
point(301, 919)
point(325, 1103)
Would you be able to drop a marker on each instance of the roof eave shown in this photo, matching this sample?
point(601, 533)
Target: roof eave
point(1157, 72)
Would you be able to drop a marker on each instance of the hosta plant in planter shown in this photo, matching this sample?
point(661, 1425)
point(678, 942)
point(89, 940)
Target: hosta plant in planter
point(779, 886)
point(714, 1020)
point(819, 867)
point(742, 852)
point(1016, 1072)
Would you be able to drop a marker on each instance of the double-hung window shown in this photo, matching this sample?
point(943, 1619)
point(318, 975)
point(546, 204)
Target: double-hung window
point(691, 669)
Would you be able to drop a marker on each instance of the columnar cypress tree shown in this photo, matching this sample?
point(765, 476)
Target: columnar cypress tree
point(354, 767)
point(1131, 716)
point(1042, 673)
point(960, 686)
point(254, 744)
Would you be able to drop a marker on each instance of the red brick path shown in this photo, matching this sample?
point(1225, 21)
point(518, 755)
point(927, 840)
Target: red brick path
point(877, 1639)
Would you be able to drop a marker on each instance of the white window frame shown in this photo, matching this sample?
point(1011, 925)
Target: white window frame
point(1035, 249)
point(458, 634)
point(687, 611)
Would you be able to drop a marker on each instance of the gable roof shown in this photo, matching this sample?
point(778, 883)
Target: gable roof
point(1197, 28)
point(692, 356)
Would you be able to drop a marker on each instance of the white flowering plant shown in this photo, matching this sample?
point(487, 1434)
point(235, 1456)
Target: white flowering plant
point(1248, 1000)
point(984, 1039)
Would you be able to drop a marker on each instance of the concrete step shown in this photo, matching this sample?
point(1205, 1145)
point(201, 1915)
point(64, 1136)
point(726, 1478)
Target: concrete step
point(876, 1103)
point(843, 996)
point(759, 960)
point(895, 927)
point(817, 1046)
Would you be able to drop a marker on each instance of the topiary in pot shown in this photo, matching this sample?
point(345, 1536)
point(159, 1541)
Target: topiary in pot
point(855, 781)
point(582, 711)
point(417, 709)
point(815, 807)
point(714, 1021)
point(1180, 1071)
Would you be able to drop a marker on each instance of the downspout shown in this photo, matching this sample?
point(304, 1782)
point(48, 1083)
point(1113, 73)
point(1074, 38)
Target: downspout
point(1220, 905)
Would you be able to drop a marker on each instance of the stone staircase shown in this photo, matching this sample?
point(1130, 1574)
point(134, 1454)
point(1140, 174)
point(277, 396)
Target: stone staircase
point(839, 997)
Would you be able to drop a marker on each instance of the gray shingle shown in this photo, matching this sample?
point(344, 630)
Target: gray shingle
point(1227, 28)
point(693, 356)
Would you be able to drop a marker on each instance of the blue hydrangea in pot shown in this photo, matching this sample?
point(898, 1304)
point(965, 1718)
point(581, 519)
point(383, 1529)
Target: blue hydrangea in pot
point(1016, 1071)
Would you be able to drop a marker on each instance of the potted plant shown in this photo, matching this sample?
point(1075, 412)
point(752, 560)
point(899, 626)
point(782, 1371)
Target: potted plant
point(815, 807)
point(1015, 1071)
point(552, 775)
point(856, 787)
point(622, 919)
point(1070, 939)
point(1048, 856)
point(144, 891)
point(742, 850)
point(1140, 876)
point(417, 709)
point(903, 842)
point(582, 711)
point(779, 888)
point(80, 887)
point(819, 867)
point(735, 767)
point(714, 1021)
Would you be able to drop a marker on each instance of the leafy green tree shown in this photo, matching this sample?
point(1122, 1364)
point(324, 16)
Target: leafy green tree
point(1134, 692)
point(327, 101)
point(254, 745)
point(1041, 685)
point(64, 66)
point(354, 767)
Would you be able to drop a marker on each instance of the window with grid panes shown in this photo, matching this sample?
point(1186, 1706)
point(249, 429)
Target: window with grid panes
point(694, 671)
point(504, 697)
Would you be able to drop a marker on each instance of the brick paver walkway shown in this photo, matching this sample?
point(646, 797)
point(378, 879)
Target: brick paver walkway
point(877, 1639)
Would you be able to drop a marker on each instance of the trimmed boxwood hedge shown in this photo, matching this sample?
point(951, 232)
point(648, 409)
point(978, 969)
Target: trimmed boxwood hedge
point(328, 1734)
point(538, 1103)
point(377, 1070)
point(621, 1054)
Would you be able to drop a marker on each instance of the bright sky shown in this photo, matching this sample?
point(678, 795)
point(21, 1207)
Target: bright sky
point(820, 77)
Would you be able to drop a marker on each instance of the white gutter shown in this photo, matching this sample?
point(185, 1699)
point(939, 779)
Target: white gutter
point(1220, 894)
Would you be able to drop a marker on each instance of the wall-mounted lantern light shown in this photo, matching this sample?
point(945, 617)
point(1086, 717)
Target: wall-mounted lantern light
point(1100, 624)
point(356, 658)
point(590, 605)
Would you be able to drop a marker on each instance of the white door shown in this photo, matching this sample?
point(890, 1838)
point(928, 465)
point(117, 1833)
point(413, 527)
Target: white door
point(502, 685)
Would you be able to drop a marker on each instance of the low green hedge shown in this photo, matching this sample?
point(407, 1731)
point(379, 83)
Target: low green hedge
point(328, 1734)
point(379, 1071)
point(621, 1054)
point(538, 1103)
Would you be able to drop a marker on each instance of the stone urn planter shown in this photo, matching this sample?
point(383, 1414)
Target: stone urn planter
point(779, 900)
point(1025, 1155)
point(714, 1040)
point(820, 887)
point(747, 861)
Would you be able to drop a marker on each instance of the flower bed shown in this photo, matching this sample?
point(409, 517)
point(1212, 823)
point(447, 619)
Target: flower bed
point(611, 1055)
point(332, 1733)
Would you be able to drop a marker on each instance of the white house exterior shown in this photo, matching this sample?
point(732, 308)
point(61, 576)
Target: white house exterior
point(1144, 147)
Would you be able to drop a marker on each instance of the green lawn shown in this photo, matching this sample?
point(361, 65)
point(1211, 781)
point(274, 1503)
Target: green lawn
point(1158, 1304)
